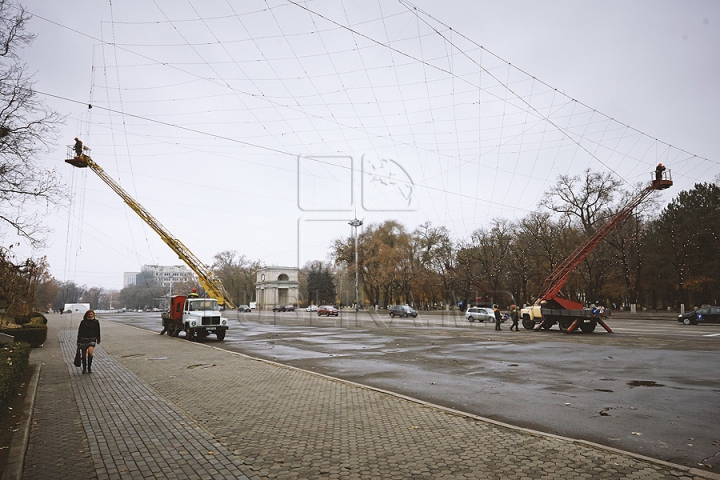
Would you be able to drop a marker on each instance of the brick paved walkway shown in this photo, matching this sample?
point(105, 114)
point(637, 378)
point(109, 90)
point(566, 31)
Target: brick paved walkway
point(161, 407)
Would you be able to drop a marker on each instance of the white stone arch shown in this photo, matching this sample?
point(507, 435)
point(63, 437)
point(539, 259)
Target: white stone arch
point(277, 286)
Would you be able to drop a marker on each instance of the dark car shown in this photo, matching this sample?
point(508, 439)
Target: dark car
point(284, 308)
point(244, 308)
point(402, 311)
point(701, 315)
point(327, 310)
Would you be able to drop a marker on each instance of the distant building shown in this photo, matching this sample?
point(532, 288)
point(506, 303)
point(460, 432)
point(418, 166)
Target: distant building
point(130, 278)
point(168, 275)
point(164, 275)
point(276, 286)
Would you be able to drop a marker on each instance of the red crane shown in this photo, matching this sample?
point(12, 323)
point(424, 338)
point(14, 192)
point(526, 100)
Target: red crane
point(550, 304)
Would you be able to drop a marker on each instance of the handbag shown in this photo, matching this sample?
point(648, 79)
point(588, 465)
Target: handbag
point(77, 361)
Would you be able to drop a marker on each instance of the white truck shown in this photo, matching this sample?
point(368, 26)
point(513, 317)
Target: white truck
point(194, 316)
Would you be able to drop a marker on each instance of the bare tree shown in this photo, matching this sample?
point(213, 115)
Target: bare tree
point(237, 274)
point(27, 128)
point(435, 256)
point(585, 198)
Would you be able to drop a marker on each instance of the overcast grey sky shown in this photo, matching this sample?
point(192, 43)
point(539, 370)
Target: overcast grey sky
point(264, 127)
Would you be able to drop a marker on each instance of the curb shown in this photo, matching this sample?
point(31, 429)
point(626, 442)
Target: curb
point(19, 444)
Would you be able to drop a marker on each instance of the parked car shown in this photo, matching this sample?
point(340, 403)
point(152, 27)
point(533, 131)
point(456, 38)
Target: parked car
point(284, 308)
point(244, 308)
point(327, 310)
point(312, 308)
point(481, 314)
point(701, 315)
point(402, 311)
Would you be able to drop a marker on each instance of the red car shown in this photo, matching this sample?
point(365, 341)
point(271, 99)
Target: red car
point(327, 310)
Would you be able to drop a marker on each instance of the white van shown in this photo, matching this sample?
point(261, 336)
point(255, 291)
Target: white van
point(79, 308)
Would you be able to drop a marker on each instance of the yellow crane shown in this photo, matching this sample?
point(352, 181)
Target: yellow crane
point(78, 156)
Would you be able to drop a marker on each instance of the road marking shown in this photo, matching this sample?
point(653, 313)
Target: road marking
point(712, 335)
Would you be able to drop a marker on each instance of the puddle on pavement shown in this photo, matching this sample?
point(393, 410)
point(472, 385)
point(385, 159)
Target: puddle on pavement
point(645, 383)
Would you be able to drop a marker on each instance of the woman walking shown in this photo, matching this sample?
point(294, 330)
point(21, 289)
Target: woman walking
point(88, 336)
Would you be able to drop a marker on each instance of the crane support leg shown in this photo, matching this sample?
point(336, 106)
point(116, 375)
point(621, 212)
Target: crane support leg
point(573, 325)
point(539, 325)
point(604, 325)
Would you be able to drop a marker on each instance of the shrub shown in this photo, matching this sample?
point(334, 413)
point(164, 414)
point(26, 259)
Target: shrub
point(14, 359)
point(22, 319)
point(31, 333)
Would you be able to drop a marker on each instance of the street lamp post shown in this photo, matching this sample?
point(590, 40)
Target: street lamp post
point(356, 223)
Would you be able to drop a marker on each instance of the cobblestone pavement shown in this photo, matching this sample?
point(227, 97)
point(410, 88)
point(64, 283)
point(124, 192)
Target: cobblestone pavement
point(57, 446)
point(161, 407)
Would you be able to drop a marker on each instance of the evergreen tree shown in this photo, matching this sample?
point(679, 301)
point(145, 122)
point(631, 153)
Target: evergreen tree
point(321, 286)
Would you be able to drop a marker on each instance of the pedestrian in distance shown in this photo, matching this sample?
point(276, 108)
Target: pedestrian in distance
point(498, 319)
point(88, 337)
point(78, 147)
point(515, 317)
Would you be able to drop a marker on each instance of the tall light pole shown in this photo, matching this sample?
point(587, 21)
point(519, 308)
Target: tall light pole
point(356, 223)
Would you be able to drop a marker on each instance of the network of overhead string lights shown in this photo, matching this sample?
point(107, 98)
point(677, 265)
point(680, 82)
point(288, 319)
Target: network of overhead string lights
point(286, 87)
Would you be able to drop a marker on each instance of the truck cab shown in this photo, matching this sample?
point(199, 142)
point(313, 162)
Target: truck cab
point(194, 316)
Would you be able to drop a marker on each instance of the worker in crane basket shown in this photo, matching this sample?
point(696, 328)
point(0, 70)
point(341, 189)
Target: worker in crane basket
point(78, 147)
point(659, 171)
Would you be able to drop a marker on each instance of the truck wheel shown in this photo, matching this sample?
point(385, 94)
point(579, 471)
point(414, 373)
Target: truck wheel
point(564, 324)
point(528, 324)
point(220, 335)
point(189, 334)
point(588, 327)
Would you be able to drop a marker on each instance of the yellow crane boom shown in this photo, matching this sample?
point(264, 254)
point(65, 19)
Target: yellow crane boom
point(210, 282)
